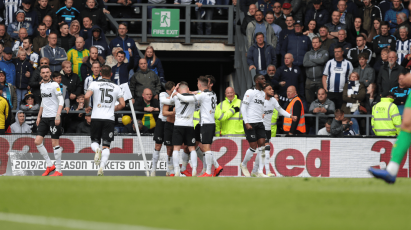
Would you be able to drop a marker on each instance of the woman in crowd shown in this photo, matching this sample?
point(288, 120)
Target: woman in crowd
point(9, 91)
point(29, 104)
point(312, 30)
point(154, 63)
point(356, 30)
point(376, 30)
point(74, 28)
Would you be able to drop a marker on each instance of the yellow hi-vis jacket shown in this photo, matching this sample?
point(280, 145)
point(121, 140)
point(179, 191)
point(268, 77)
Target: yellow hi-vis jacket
point(274, 120)
point(196, 118)
point(386, 119)
point(228, 123)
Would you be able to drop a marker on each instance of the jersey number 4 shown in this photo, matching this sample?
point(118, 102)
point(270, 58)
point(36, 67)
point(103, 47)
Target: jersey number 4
point(106, 93)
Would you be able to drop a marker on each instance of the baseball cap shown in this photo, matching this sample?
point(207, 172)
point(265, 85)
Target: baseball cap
point(286, 5)
point(317, 2)
point(27, 2)
point(7, 50)
point(298, 22)
point(20, 11)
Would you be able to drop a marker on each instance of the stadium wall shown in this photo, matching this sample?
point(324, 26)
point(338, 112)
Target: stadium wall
point(298, 157)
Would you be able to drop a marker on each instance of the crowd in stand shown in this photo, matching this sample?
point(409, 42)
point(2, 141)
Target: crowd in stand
point(341, 56)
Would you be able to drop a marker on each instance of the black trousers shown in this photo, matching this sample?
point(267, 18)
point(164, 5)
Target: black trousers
point(337, 98)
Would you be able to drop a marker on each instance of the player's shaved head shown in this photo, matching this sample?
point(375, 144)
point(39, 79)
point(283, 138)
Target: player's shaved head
point(183, 88)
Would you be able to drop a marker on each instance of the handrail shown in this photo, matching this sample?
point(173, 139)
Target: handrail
point(82, 111)
point(187, 19)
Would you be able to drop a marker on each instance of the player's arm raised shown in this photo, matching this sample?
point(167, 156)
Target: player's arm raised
point(283, 112)
point(190, 99)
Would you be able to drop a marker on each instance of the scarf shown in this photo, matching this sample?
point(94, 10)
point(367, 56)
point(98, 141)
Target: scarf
point(353, 87)
point(6, 94)
point(342, 19)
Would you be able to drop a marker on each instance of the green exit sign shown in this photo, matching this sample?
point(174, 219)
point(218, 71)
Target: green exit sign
point(166, 23)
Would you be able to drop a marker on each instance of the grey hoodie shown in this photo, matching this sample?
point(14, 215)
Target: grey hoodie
point(17, 128)
point(270, 39)
point(337, 128)
point(314, 61)
point(368, 73)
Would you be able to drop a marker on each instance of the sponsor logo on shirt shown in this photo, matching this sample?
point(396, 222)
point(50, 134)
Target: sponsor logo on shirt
point(46, 95)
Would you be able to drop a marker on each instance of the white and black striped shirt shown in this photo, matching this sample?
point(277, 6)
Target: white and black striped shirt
point(10, 7)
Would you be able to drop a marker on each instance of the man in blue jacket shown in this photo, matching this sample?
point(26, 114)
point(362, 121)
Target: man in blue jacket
point(55, 54)
point(7, 66)
point(261, 55)
point(123, 41)
point(121, 70)
point(97, 41)
point(317, 13)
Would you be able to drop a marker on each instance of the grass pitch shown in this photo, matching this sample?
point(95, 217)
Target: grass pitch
point(211, 203)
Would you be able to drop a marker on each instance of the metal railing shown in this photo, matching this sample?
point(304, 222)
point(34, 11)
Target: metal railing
point(366, 116)
point(187, 20)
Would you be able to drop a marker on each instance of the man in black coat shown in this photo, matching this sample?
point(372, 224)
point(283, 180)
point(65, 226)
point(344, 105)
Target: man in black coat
point(249, 16)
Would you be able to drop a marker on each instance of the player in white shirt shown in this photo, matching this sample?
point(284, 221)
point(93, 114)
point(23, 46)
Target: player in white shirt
point(270, 104)
point(183, 127)
point(208, 102)
point(160, 126)
point(48, 119)
point(105, 94)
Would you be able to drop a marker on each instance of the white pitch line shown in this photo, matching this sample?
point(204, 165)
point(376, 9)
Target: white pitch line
point(69, 223)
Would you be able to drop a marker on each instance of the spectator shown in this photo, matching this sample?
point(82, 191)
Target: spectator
point(353, 96)
point(264, 6)
point(371, 98)
point(86, 27)
point(12, 6)
point(346, 17)
point(76, 55)
point(50, 26)
point(351, 6)
point(366, 73)
point(36, 80)
point(349, 131)
point(335, 25)
point(402, 22)
point(130, 128)
point(65, 40)
point(342, 42)
point(19, 42)
point(81, 5)
point(401, 93)
point(322, 106)
point(391, 14)
point(29, 104)
point(259, 25)
point(30, 55)
point(55, 54)
point(9, 91)
point(403, 45)
point(84, 126)
point(23, 74)
point(144, 78)
point(20, 125)
point(296, 9)
point(277, 11)
point(71, 80)
point(75, 28)
point(269, 18)
point(388, 74)
point(335, 76)
point(381, 60)
point(368, 14)
point(384, 40)
point(40, 40)
point(337, 126)
point(281, 21)
point(147, 104)
point(386, 119)
point(121, 70)
point(5, 37)
point(8, 67)
point(228, 119)
point(311, 30)
point(57, 77)
point(43, 9)
point(76, 118)
point(94, 76)
point(97, 41)
point(288, 75)
point(295, 108)
point(314, 62)
point(5, 112)
point(154, 63)
point(356, 31)
point(285, 33)
point(325, 41)
point(317, 13)
point(353, 53)
point(297, 44)
point(125, 42)
point(260, 55)
point(31, 14)
point(14, 28)
point(67, 13)
point(86, 65)
point(95, 14)
point(271, 69)
point(249, 16)
point(326, 130)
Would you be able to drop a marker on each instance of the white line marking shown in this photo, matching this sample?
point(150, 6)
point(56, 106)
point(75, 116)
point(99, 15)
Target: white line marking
point(69, 223)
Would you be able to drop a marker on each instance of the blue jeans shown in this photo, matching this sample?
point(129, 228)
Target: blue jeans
point(20, 96)
point(262, 72)
point(208, 16)
point(222, 2)
point(355, 125)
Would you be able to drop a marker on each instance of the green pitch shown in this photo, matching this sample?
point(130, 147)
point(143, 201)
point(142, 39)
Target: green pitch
point(210, 203)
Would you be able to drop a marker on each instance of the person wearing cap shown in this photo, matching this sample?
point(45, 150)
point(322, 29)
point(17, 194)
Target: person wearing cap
point(29, 103)
point(20, 125)
point(335, 25)
point(5, 112)
point(7, 66)
point(97, 41)
point(386, 119)
point(281, 21)
point(261, 55)
point(317, 13)
point(388, 74)
point(259, 25)
point(65, 40)
point(55, 54)
point(31, 14)
point(14, 28)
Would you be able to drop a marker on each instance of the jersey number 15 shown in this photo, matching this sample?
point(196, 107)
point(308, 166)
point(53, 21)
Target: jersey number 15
point(106, 93)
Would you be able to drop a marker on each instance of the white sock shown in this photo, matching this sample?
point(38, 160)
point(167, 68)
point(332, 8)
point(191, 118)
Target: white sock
point(193, 158)
point(57, 155)
point(201, 155)
point(184, 157)
point(209, 161)
point(215, 163)
point(261, 159)
point(156, 155)
point(256, 162)
point(248, 156)
point(43, 152)
point(94, 146)
point(104, 157)
point(267, 159)
point(176, 161)
point(170, 165)
point(392, 168)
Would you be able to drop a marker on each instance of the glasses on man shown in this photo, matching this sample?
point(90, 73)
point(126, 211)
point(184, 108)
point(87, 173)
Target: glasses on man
point(44, 63)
